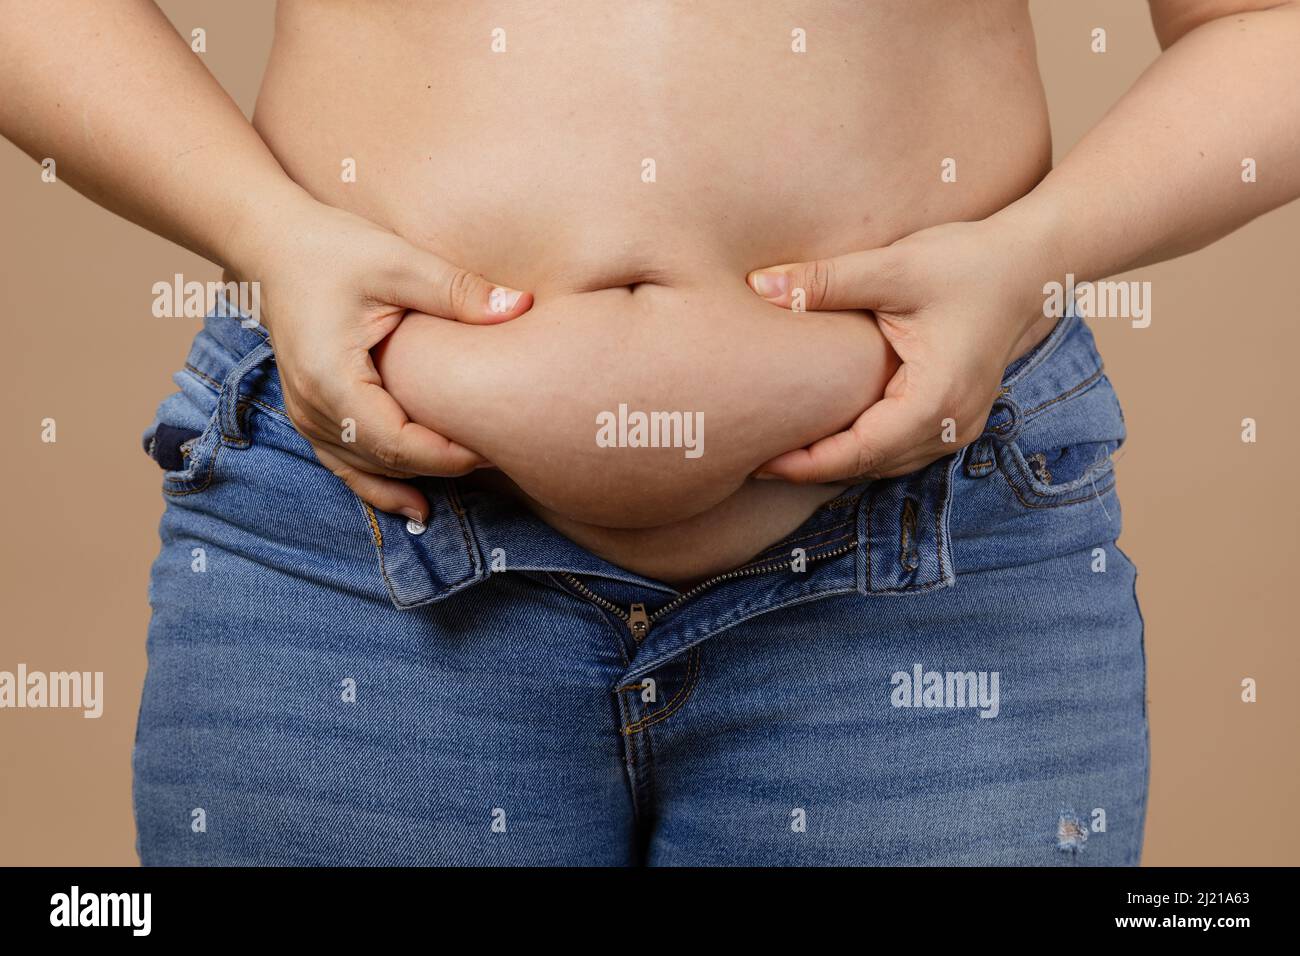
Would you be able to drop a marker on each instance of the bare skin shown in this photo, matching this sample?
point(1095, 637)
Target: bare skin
point(527, 394)
point(524, 169)
point(511, 165)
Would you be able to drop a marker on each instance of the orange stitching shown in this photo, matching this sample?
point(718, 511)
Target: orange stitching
point(241, 422)
point(378, 537)
point(1064, 395)
point(1059, 504)
point(452, 496)
point(1106, 468)
point(375, 530)
point(244, 398)
point(938, 532)
point(203, 375)
point(674, 705)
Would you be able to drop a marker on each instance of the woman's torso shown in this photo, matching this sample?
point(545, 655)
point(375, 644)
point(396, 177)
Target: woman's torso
point(576, 147)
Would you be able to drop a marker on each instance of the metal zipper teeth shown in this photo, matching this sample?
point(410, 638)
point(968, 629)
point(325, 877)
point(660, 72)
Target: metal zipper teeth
point(681, 599)
point(595, 598)
point(742, 573)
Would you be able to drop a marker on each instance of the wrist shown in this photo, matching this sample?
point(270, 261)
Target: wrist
point(266, 222)
point(1030, 237)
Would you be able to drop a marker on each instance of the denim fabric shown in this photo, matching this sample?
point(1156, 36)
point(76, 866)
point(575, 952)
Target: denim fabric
point(330, 685)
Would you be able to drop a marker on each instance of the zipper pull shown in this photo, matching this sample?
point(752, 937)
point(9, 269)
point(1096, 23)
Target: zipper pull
point(638, 622)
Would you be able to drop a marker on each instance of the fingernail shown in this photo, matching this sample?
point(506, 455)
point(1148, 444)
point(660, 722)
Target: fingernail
point(765, 476)
point(484, 464)
point(502, 300)
point(770, 285)
point(412, 514)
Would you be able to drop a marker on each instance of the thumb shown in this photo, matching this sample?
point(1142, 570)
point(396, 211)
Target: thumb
point(430, 284)
point(859, 280)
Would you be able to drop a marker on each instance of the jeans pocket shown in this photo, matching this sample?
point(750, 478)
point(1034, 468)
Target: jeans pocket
point(1059, 476)
point(1065, 455)
point(185, 434)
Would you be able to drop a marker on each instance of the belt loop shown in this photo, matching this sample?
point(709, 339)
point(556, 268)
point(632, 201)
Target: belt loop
point(1003, 426)
point(979, 457)
point(231, 427)
point(904, 545)
point(1007, 428)
point(434, 562)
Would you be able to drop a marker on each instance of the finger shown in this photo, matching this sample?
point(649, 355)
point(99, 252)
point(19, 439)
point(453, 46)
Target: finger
point(859, 280)
point(338, 437)
point(368, 430)
point(429, 284)
point(386, 438)
point(386, 494)
point(882, 443)
point(344, 454)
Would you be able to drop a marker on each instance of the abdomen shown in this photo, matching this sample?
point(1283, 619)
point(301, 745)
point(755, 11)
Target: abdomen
point(629, 164)
point(637, 409)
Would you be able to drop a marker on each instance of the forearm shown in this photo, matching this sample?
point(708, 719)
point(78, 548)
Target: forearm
point(1161, 174)
point(135, 122)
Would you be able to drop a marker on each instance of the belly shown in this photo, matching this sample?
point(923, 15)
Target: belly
point(629, 163)
point(634, 409)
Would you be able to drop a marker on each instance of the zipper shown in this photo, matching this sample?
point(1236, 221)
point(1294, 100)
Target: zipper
point(639, 622)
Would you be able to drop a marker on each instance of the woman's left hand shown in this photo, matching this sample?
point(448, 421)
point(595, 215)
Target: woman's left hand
point(957, 302)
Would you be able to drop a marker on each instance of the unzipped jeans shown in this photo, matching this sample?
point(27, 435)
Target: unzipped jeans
point(943, 668)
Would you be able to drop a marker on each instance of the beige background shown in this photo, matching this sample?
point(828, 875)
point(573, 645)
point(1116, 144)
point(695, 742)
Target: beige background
point(1211, 522)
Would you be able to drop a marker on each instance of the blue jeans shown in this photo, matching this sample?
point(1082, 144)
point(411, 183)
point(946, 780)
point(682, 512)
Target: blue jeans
point(944, 668)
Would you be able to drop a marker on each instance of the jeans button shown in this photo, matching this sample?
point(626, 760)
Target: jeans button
point(415, 527)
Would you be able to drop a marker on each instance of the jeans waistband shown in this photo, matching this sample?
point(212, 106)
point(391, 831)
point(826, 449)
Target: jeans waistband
point(225, 341)
point(885, 537)
point(879, 538)
point(904, 543)
point(1063, 365)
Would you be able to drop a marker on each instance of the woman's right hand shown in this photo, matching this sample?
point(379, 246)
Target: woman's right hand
point(333, 285)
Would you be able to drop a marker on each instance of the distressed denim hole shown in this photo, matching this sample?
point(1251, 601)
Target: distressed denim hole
point(1071, 833)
